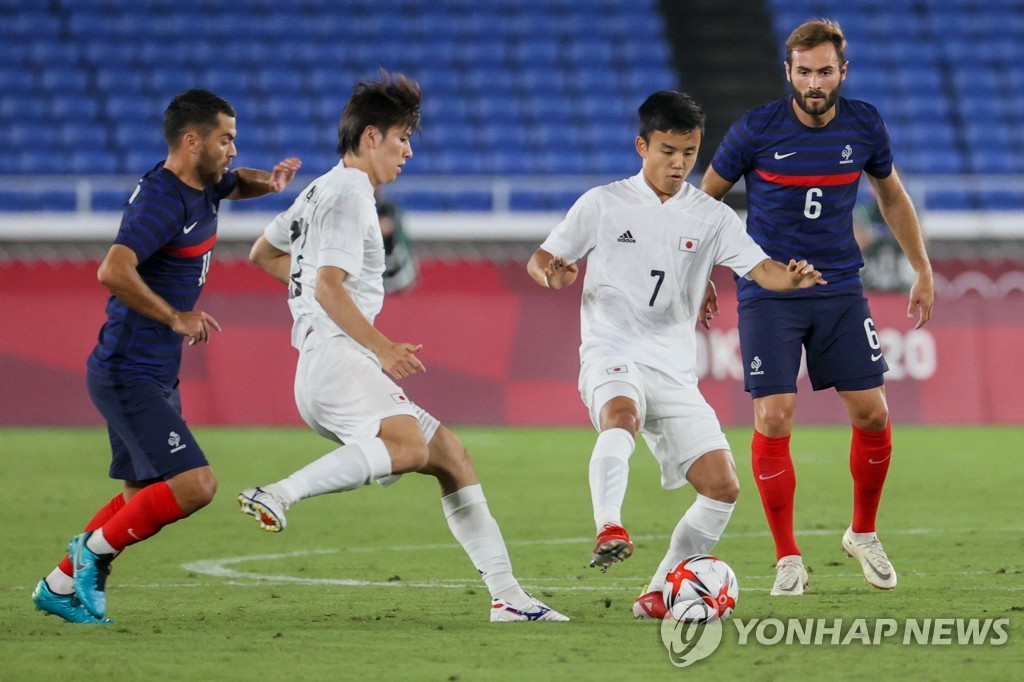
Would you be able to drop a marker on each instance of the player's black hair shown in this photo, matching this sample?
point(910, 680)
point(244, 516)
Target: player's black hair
point(193, 109)
point(385, 102)
point(670, 111)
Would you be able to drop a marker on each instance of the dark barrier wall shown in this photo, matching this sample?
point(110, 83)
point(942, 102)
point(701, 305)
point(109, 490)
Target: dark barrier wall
point(499, 350)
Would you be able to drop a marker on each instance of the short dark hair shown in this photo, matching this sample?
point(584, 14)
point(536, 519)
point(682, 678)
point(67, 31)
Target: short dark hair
point(816, 32)
point(193, 108)
point(385, 102)
point(668, 111)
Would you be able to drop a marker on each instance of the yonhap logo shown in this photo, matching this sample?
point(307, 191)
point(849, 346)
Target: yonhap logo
point(689, 642)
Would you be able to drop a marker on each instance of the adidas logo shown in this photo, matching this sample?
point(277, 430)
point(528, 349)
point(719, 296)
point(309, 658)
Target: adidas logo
point(626, 237)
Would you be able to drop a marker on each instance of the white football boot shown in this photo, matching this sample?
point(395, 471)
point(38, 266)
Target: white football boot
point(878, 570)
point(267, 509)
point(790, 577)
point(503, 612)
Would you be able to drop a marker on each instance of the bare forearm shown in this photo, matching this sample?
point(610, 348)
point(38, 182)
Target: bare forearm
point(773, 276)
point(902, 221)
point(119, 275)
point(344, 312)
point(276, 263)
point(252, 183)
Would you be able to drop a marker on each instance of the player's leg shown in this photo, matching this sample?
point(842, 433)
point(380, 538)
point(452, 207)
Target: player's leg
point(55, 594)
point(471, 523)
point(345, 397)
point(613, 392)
point(398, 447)
point(844, 353)
point(153, 446)
point(690, 447)
point(771, 339)
point(870, 455)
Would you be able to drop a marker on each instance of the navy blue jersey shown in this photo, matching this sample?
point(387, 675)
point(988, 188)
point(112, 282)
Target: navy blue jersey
point(802, 185)
point(172, 229)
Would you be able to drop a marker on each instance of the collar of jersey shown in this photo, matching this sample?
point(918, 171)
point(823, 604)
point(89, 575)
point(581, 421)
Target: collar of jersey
point(360, 178)
point(649, 194)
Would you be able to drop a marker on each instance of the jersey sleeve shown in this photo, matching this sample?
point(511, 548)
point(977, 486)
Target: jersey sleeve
point(341, 226)
point(734, 247)
point(226, 185)
point(151, 219)
point(880, 163)
point(278, 231)
point(735, 156)
point(574, 237)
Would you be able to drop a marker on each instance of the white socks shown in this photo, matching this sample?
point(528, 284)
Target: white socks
point(609, 474)
point(347, 468)
point(471, 523)
point(696, 533)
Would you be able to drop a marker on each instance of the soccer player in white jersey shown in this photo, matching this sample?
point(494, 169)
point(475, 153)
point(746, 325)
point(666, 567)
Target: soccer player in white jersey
point(328, 249)
point(651, 241)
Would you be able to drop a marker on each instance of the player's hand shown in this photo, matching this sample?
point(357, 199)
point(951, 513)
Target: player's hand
point(558, 273)
point(803, 274)
point(195, 324)
point(399, 359)
point(708, 306)
point(284, 173)
point(922, 297)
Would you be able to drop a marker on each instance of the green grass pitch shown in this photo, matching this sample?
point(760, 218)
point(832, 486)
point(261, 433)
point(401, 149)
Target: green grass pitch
point(370, 585)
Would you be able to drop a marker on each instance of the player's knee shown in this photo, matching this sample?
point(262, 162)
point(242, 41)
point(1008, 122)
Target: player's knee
point(874, 419)
point(198, 493)
point(774, 422)
point(725, 490)
point(408, 455)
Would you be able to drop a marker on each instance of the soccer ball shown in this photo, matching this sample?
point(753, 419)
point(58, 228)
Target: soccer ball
point(701, 589)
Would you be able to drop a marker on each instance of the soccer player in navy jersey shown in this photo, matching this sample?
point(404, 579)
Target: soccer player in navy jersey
point(155, 271)
point(802, 157)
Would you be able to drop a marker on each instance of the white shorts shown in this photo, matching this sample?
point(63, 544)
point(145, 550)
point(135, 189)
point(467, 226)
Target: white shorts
point(343, 394)
point(675, 420)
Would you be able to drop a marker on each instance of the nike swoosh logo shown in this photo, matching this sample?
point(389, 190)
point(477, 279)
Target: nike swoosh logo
point(188, 229)
point(765, 478)
point(779, 156)
point(879, 461)
point(876, 358)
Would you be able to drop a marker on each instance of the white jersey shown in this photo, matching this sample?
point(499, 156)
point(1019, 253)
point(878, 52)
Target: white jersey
point(648, 264)
point(333, 222)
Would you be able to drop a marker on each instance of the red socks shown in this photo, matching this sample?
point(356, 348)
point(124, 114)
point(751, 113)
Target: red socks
point(146, 513)
point(870, 454)
point(776, 481)
point(106, 512)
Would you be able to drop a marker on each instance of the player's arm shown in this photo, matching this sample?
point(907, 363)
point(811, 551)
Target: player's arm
point(775, 276)
point(901, 217)
point(398, 359)
point(714, 184)
point(274, 261)
point(254, 183)
point(550, 271)
point(119, 272)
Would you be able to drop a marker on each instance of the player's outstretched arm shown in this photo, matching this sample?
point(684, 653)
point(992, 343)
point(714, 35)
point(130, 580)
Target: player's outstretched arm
point(254, 183)
point(550, 271)
point(275, 262)
point(899, 214)
point(775, 276)
point(398, 359)
point(120, 274)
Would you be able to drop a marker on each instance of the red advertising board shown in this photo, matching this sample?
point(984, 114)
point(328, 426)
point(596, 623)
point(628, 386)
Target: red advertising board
point(499, 350)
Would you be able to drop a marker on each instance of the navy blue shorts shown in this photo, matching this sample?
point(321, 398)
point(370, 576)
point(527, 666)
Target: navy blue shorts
point(843, 350)
point(149, 439)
